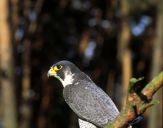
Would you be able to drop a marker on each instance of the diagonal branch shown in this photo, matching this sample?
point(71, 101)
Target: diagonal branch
point(137, 102)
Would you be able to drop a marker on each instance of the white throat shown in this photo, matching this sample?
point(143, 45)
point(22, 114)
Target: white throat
point(68, 78)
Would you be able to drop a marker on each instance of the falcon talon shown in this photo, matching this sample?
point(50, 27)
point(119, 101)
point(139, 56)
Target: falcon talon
point(92, 105)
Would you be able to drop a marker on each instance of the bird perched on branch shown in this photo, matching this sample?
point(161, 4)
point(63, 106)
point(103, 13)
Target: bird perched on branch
point(92, 105)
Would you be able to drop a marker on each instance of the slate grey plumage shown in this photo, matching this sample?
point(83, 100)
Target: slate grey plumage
point(83, 96)
point(90, 103)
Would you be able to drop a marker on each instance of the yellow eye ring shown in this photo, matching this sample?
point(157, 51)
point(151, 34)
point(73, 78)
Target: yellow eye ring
point(58, 67)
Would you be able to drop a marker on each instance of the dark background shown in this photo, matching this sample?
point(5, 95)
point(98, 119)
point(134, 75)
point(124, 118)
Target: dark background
point(98, 36)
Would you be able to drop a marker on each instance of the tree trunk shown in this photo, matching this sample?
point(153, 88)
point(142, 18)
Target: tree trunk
point(124, 53)
point(155, 115)
point(26, 80)
point(26, 59)
point(6, 67)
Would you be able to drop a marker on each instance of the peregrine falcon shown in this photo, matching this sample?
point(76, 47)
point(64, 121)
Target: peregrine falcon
point(91, 104)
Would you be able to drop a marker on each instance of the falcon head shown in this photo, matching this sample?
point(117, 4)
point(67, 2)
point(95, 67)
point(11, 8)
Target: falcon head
point(64, 71)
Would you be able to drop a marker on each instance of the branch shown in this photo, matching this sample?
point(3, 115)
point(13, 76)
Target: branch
point(137, 102)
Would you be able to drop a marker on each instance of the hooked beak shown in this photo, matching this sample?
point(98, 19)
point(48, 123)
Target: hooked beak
point(51, 72)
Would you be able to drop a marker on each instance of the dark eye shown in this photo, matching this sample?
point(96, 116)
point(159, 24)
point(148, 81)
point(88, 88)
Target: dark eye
point(58, 67)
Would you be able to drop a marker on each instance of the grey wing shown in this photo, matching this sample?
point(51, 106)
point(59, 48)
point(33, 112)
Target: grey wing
point(90, 103)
